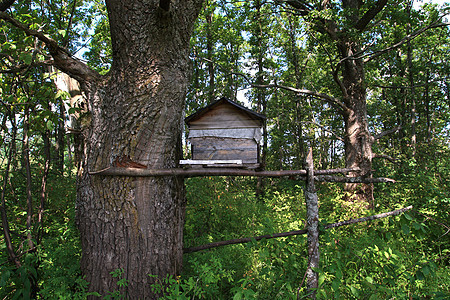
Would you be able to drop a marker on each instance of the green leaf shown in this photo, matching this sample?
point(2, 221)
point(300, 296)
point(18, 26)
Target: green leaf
point(50, 125)
point(419, 275)
point(335, 285)
point(408, 216)
point(426, 270)
point(9, 46)
point(417, 226)
point(62, 32)
point(238, 296)
point(321, 279)
point(27, 57)
point(405, 229)
point(5, 277)
point(354, 291)
point(72, 110)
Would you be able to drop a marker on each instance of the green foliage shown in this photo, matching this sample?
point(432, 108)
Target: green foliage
point(121, 284)
point(400, 257)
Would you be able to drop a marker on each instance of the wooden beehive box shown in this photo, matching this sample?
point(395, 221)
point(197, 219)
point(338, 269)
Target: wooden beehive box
point(225, 133)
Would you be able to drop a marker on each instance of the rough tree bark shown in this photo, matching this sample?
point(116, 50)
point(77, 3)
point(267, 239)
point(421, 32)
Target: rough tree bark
point(134, 113)
point(358, 140)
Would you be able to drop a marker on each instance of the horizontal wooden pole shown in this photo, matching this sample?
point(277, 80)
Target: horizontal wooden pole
point(319, 175)
point(135, 172)
point(292, 233)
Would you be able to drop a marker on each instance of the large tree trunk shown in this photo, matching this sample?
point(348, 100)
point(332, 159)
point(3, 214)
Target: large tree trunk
point(358, 140)
point(135, 113)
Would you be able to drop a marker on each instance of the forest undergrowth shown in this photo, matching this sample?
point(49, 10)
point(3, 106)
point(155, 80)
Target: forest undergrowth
point(401, 257)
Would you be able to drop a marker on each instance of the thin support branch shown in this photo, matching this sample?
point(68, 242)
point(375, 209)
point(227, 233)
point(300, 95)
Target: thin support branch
point(295, 232)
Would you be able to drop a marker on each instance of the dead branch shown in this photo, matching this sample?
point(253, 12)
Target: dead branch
point(296, 232)
point(244, 240)
point(447, 227)
point(369, 218)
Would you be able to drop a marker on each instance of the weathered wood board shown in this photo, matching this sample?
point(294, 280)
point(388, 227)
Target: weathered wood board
point(210, 148)
point(210, 162)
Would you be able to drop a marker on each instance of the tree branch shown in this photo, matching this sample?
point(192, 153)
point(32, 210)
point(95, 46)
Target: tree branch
point(329, 99)
point(370, 14)
point(24, 67)
point(301, 8)
point(292, 233)
point(360, 179)
point(384, 156)
point(407, 38)
point(62, 58)
point(369, 56)
point(387, 132)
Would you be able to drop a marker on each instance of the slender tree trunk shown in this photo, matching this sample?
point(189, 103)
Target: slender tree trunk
point(260, 93)
point(61, 137)
point(427, 107)
point(300, 150)
point(3, 213)
point(29, 219)
point(135, 113)
point(45, 171)
point(411, 86)
point(312, 217)
point(209, 51)
point(26, 162)
point(358, 140)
